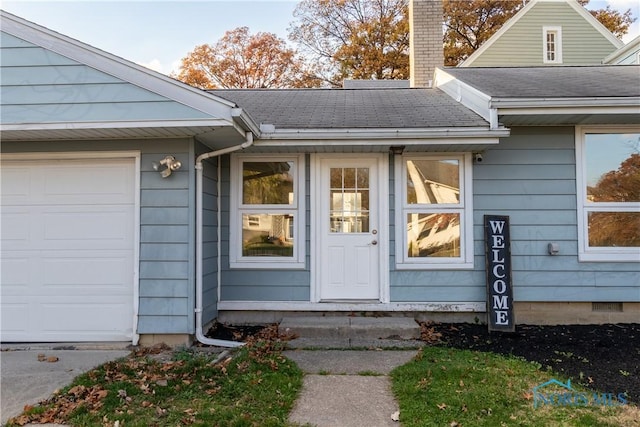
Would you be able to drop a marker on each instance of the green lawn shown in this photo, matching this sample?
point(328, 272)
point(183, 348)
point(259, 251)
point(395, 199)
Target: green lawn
point(257, 387)
point(451, 387)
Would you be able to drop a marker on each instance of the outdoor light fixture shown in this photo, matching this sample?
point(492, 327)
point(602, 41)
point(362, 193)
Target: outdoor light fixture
point(166, 166)
point(397, 149)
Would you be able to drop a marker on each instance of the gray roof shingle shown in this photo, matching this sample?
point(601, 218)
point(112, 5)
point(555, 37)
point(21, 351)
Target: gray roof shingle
point(352, 108)
point(553, 81)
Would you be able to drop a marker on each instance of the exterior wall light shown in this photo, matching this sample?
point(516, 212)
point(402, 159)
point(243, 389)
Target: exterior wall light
point(166, 166)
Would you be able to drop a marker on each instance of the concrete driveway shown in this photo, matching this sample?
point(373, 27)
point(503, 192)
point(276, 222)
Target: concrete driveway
point(25, 380)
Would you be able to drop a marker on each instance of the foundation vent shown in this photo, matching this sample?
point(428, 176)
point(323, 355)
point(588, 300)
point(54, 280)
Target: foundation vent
point(607, 307)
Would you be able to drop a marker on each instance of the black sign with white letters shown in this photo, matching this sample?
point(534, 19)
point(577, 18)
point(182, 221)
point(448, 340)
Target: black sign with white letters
point(498, 265)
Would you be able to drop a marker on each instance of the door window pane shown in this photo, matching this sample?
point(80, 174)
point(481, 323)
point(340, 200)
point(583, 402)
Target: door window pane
point(349, 200)
point(267, 183)
point(433, 235)
point(267, 235)
point(433, 181)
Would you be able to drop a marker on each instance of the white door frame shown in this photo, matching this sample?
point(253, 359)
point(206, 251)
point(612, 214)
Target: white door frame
point(383, 219)
point(78, 155)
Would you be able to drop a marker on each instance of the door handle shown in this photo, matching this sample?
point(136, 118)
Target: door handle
point(374, 242)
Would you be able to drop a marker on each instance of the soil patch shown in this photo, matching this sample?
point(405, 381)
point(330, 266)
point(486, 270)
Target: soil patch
point(604, 358)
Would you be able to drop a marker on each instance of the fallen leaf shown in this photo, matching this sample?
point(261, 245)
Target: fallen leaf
point(454, 424)
point(162, 383)
point(52, 359)
point(513, 417)
point(442, 406)
point(395, 416)
point(41, 357)
point(527, 395)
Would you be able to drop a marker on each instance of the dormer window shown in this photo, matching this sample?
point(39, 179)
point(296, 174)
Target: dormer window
point(552, 45)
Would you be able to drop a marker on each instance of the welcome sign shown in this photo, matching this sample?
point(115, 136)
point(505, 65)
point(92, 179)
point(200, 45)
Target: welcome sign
point(498, 267)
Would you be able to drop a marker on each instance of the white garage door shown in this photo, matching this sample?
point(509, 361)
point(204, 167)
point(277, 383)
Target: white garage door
point(67, 250)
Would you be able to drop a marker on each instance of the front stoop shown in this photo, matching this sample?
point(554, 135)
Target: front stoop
point(345, 332)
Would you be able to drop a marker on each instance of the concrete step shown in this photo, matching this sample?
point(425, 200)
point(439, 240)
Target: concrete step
point(352, 328)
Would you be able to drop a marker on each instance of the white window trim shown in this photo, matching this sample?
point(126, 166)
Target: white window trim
point(236, 260)
point(558, 42)
point(466, 260)
point(585, 252)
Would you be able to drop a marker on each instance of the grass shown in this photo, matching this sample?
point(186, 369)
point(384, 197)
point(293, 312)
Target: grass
point(258, 387)
point(255, 387)
point(451, 387)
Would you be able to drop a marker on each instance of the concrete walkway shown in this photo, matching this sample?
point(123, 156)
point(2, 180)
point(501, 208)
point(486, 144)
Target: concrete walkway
point(27, 379)
point(347, 388)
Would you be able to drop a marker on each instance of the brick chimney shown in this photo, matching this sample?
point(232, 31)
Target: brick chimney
point(425, 40)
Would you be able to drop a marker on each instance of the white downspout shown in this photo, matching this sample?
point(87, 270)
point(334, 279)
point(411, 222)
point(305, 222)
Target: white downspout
point(199, 261)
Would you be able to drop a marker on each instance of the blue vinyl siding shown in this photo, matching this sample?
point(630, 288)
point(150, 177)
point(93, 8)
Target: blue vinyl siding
point(40, 86)
point(166, 282)
point(210, 237)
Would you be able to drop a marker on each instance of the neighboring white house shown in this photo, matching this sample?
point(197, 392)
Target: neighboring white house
point(547, 32)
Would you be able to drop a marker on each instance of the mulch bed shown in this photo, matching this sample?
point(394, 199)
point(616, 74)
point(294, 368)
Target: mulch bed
point(604, 358)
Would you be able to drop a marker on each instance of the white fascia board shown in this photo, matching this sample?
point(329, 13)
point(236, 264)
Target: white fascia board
point(596, 24)
point(472, 98)
point(117, 67)
point(383, 136)
point(513, 106)
point(627, 49)
point(203, 123)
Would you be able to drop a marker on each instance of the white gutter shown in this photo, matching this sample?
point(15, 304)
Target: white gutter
point(199, 261)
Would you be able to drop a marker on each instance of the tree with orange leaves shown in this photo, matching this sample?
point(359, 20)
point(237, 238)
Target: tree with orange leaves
point(242, 60)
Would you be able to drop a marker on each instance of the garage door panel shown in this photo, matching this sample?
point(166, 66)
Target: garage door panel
point(15, 317)
point(103, 274)
point(16, 182)
point(15, 225)
point(108, 226)
point(68, 236)
point(107, 315)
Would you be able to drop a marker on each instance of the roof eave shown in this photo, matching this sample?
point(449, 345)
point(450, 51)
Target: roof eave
point(374, 136)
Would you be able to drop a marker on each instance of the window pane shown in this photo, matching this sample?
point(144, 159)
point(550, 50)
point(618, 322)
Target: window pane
point(613, 167)
point(267, 235)
point(433, 181)
point(614, 229)
point(433, 235)
point(349, 200)
point(267, 183)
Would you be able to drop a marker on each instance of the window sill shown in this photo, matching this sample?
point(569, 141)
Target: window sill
point(435, 266)
point(266, 265)
point(609, 257)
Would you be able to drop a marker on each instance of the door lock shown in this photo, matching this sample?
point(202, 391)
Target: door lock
point(374, 242)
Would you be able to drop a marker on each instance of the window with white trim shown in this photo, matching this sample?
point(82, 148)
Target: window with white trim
point(608, 180)
point(267, 212)
point(434, 214)
point(552, 45)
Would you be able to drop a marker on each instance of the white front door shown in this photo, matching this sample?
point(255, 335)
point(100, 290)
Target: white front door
point(348, 228)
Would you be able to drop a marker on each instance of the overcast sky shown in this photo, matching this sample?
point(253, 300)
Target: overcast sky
point(159, 33)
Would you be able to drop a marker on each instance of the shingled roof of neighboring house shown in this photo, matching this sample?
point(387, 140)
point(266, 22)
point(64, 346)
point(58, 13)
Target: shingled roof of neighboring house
point(352, 108)
point(553, 82)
